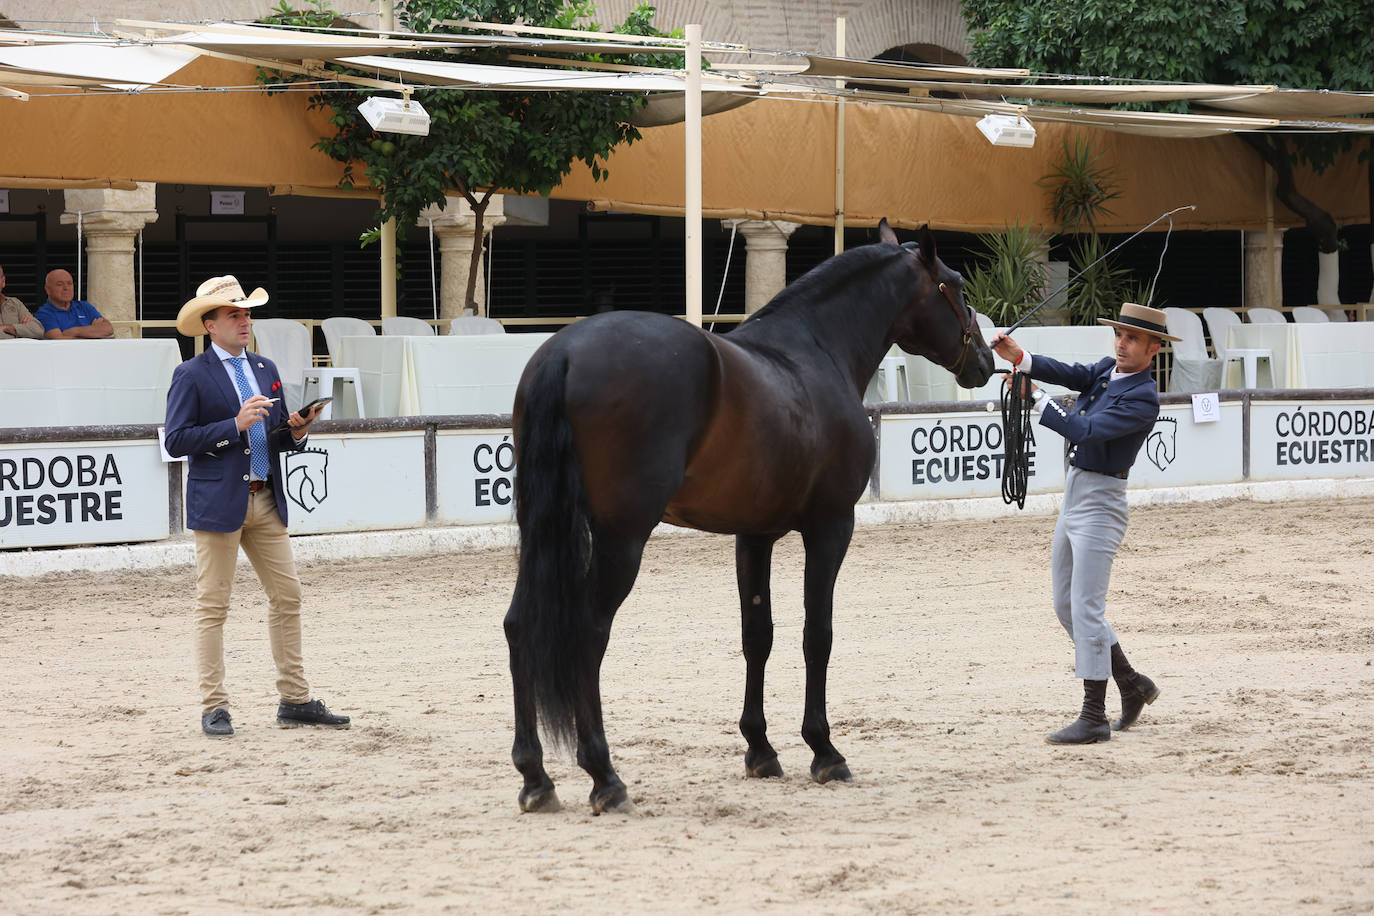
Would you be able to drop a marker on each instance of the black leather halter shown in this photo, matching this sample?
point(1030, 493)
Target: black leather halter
point(965, 325)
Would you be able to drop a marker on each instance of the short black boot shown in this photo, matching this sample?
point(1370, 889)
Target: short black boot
point(1137, 690)
point(1091, 725)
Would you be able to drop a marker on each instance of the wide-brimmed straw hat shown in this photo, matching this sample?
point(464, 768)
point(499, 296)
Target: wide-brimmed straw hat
point(1142, 318)
point(212, 294)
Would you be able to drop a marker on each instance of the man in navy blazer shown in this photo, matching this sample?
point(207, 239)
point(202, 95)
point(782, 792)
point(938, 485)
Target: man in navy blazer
point(1116, 408)
point(225, 413)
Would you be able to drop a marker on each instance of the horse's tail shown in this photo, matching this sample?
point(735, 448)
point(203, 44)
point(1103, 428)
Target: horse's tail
point(551, 604)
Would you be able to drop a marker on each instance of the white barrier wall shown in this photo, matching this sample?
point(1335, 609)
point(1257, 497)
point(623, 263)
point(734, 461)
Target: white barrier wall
point(82, 493)
point(356, 482)
point(101, 492)
point(1295, 440)
point(953, 455)
point(1182, 452)
point(475, 476)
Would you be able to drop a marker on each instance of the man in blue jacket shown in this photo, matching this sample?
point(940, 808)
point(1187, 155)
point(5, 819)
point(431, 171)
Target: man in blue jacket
point(225, 412)
point(1116, 408)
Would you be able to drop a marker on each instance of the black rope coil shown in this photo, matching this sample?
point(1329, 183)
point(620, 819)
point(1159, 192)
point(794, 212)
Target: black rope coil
point(1018, 438)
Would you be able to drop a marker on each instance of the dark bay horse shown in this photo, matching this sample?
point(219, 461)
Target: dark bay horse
point(627, 419)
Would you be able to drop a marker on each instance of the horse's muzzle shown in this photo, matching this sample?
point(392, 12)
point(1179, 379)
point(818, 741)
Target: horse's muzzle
point(978, 370)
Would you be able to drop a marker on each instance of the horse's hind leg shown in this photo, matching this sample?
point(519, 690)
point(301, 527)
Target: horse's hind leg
point(825, 549)
point(616, 564)
point(527, 753)
point(753, 560)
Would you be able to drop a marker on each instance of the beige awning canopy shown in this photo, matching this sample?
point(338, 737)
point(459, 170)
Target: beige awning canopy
point(775, 159)
point(181, 104)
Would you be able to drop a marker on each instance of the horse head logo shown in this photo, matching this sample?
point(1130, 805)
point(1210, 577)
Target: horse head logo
point(307, 477)
point(1161, 445)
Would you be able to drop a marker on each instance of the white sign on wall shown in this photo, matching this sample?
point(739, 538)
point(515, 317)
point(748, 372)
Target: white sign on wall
point(1294, 440)
point(1182, 451)
point(476, 477)
point(938, 456)
point(356, 482)
point(82, 493)
point(226, 203)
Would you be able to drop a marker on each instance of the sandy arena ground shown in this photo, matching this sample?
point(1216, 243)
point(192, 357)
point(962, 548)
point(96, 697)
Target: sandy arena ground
point(1246, 789)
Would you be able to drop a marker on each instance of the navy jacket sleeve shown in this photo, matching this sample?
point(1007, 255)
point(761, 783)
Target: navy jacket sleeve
point(188, 433)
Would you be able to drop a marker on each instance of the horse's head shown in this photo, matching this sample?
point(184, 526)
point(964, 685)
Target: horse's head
point(935, 323)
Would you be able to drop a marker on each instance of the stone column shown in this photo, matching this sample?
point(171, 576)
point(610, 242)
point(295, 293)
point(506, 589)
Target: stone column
point(1257, 270)
point(110, 223)
point(765, 263)
point(455, 227)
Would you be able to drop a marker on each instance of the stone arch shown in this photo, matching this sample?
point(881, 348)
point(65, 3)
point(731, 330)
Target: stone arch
point(871, 26)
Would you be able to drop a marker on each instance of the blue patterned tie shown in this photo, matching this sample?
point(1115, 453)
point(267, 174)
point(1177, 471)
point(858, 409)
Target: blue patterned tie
point(257, 433)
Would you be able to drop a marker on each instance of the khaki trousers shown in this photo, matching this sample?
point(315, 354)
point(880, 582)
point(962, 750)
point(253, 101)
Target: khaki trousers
point(268, 547)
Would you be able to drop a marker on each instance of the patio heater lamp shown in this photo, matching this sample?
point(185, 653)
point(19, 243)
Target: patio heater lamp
point(397, 116)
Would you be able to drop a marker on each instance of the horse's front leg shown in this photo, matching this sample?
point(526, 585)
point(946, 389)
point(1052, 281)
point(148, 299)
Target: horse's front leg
point(825, 549)
point(753, 562)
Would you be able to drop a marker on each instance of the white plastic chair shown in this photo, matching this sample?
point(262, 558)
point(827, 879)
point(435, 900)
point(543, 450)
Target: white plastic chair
point(1218, 320)
point(473, 324)
point(343, 326)
point(405, 326)
point(325, 376)
point(1334, 314)
point(286, 343)
point(1261, 315)
point(1193, 370)
point(1306, 314)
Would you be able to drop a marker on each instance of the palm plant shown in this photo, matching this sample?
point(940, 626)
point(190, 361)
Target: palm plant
point(1097, 293)
point(1009, 279)
point(1080, 188)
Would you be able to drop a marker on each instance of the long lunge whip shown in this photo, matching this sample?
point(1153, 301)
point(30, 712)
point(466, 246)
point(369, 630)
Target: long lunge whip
point(1018, 432)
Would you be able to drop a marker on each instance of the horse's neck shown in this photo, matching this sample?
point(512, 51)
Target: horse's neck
point(845, 318)
point(854, 329)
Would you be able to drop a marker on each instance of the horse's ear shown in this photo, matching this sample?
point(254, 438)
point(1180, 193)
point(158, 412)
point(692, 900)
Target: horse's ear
point(885, 233)
point(927, 243)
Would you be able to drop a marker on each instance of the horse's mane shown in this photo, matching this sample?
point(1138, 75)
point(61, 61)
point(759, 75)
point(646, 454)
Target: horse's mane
point(827, 279)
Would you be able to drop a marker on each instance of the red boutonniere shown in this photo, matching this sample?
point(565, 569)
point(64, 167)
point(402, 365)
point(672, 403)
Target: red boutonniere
point(276, 386)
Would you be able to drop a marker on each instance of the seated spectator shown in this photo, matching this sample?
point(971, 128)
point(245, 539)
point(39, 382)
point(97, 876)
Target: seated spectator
point(64, 319)
point(15, 320)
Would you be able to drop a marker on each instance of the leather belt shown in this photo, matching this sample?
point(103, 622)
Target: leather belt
point(1120, 475)
point(256, 485)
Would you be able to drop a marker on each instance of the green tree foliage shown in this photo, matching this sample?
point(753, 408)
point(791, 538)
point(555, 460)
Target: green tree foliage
point(1298, 44)
point(524, 142)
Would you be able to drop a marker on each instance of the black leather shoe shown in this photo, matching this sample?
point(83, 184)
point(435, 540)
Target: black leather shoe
point(1081, 731)
point(1142, 693)
point(216, 724)
point(294, 715)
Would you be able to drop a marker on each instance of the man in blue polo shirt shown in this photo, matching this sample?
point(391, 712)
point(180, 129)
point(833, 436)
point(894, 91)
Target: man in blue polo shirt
point(64, 319)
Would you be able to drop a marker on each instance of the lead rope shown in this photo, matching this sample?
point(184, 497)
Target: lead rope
point(1018, 437)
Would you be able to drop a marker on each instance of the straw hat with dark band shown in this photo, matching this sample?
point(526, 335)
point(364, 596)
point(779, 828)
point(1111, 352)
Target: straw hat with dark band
point(1141, 318)
point(212, 294)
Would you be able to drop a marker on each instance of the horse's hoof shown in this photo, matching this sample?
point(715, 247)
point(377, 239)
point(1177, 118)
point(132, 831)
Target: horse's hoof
point(767, 769)
point(615, 799)
point(542, 800)
point(835, 772)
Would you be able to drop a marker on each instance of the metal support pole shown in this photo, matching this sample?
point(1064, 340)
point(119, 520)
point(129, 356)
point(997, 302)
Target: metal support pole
point(692, 213)
point(839, 145)
point(386, 16)
point(389, 269)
